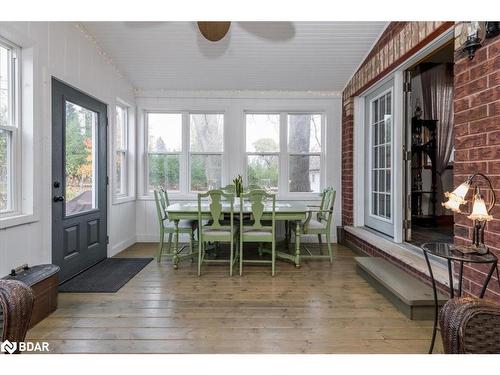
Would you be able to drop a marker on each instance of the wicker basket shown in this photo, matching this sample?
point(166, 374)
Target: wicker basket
point(16, 304)
point(470, 325)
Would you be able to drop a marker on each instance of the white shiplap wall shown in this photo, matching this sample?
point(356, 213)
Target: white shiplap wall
point(252, 56)
point(63, 51)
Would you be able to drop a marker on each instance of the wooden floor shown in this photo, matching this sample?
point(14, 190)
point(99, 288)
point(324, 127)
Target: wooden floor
point(319, 308)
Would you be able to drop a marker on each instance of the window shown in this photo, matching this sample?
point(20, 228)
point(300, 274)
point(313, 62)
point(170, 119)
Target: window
point(121, 151)
point(289, 161)
point(263, 146)
point(304, 152)
point(9, 105)
point(206, 132)
point(164, 150)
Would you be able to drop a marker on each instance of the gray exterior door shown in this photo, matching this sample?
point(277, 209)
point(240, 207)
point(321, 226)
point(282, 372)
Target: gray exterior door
point(79, 227)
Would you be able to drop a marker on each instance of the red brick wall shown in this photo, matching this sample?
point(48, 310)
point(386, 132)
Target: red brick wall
point(477, 144)
point(347, 161)
point(477, 126)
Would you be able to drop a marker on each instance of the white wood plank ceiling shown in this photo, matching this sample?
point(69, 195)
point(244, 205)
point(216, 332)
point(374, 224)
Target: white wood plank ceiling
point(252, 56)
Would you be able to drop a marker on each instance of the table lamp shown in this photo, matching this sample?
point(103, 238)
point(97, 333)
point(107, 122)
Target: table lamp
point(480, 214)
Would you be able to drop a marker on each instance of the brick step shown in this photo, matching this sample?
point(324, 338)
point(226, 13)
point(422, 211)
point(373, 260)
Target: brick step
point(408, 294)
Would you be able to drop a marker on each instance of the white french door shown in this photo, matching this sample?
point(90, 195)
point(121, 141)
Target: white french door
point(379, 151)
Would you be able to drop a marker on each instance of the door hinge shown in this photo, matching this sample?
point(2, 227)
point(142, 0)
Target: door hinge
point(406, 154)
point(107, 180)
point(107, 240)
point(107, 121)
point(407, 86)
point(406, 224)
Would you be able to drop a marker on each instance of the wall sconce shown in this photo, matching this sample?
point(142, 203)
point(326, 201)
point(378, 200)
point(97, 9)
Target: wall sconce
point(473, 34)
point(480, 214)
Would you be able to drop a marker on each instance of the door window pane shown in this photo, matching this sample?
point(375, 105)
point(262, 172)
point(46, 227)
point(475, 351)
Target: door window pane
point(381, 128)
point(304, 133)
point(164, 132)
point(163, 171)
point(263, 170)
point(304, 173)
point(206, 172)
point(206, 132)
point(262, 132)
point(80, 159)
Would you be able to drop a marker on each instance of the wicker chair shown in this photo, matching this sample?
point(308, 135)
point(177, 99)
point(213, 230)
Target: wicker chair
point(16, 306)
point(470, 325)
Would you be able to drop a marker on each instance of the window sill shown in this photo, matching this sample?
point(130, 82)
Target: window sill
point(408, 254)
point(17, 219)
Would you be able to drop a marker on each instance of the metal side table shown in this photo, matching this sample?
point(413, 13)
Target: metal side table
point(447, 251)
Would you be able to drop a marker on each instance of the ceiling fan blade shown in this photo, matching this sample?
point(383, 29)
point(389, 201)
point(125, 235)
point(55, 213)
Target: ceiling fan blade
point(144, 24)
point(214, 30)
point(269, 30)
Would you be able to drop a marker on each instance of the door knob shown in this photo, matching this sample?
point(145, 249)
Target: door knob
point(59, 198)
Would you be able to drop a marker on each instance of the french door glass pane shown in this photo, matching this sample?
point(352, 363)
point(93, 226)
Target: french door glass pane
point(4, 169)
point(80, 159)
point(206, 132)
point(304, 133)
point(163, 171)
point(263, 171)
point(381, 128)
point(164, 132)
point(262, 132)
point(4, 86)
point(304, 173)
point(206, 172)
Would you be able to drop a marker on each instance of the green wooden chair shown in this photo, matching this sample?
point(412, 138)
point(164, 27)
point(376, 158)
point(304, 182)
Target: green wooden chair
point(319, 224)
point(168, 227)
point(217, 229)
point(256, 230)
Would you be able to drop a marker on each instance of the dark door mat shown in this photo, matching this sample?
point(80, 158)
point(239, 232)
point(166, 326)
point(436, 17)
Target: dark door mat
point(107, 276)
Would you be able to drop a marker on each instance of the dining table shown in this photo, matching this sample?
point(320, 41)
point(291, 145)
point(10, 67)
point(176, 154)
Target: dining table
point(293, 212)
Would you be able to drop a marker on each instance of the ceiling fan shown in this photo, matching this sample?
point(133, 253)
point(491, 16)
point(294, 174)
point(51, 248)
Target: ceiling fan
point(213, 30)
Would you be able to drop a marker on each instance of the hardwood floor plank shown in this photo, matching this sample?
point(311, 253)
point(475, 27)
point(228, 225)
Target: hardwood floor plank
point(319, 308)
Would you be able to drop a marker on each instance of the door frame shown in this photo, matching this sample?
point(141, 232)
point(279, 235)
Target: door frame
point(103, 172)
point(399, 185)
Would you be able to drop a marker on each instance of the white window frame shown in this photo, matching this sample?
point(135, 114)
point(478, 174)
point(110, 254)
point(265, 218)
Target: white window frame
point(14, 145)
point(211, 153)
point(124, 150)
point(284, 154)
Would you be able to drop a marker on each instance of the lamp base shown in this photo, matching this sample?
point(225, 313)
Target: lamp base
point(472, 249)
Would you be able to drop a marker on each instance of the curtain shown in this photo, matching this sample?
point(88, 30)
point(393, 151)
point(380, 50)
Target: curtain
point(437, 102)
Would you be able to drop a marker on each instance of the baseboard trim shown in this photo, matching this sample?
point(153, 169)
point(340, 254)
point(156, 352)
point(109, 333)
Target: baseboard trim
point(122, 246)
